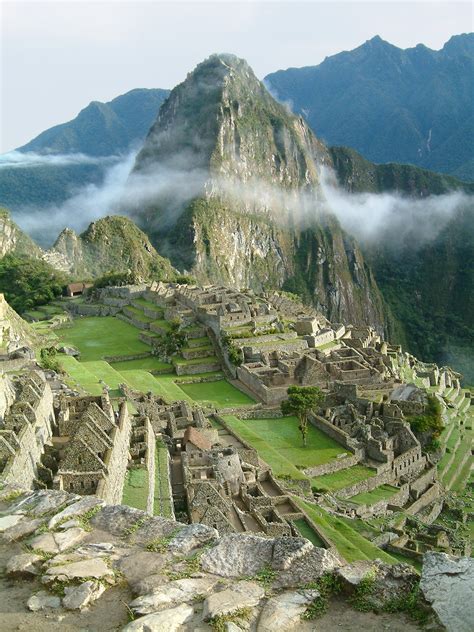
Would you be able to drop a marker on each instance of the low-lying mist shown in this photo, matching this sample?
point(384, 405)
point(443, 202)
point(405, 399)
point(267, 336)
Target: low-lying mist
point(387, 218)
point(19, 159)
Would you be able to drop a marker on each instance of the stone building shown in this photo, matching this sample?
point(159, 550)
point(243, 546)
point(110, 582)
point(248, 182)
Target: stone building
point(95, 456)
point(27, 425)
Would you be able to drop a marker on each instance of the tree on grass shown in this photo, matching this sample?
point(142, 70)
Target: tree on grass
point(172, 342)
point(301, 401)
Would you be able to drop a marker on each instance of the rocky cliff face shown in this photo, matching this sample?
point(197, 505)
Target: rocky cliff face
point(13, 239)
point(253, 214)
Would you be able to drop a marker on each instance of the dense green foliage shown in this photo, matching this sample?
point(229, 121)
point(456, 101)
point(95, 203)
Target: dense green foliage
point(301, 401)
point(115, 244)
point(171, 342)
point(114, 279)
point(234, 353)
point(28, 282)
point(409, 106)
point(428, 289)
point(48, 359)
point(430, 420)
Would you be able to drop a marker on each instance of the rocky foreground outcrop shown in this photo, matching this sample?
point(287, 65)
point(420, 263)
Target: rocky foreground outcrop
point(64, 555)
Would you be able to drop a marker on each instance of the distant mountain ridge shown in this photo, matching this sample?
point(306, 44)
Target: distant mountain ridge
point(411, 106)
point(100, 129)
point(103, 129)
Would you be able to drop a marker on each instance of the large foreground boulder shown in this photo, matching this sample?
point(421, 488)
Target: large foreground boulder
point(238, 555)
point(447, 583)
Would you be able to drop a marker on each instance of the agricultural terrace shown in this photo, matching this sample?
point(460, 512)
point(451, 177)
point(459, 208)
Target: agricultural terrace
point(98, 338)
point(220, 392)
point(278, 442)
point(350, 544)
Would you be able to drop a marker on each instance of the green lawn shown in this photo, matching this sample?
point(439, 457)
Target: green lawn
point(104, 371)
point(278, 442)
point(384, 492)
point(135, 489)
point(350, 544)
point(219, 393)
point(100, 336)
point(343, 478)
point(145, 382)
point(152, 363)
point(80, 376)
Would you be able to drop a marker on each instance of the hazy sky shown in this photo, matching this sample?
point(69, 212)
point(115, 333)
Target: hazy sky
point(56, 57)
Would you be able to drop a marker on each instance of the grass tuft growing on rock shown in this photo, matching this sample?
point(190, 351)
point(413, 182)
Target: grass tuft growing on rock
point(218, 624)
point(327, 585)
point(360, 600)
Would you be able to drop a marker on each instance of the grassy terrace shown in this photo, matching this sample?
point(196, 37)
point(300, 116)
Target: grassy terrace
point(152, 363)
point(80, 376)
point(162, 324)
point(278, 442)
point(135, 489)
point(307, 532)
point(97, 337)
point(350, 544)
point(137, 313)
point(220, 393)
point(343, 478)
point(103, 371)
point(384, 492)
point(183, 362)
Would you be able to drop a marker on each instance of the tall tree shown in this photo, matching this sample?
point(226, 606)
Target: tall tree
point(301, 401)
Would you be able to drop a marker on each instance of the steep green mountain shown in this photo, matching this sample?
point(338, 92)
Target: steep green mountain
point(111, 244)
point(99, 130)
point(426, 284)
point(103, 129)
point(410, 106)
point(250, 171)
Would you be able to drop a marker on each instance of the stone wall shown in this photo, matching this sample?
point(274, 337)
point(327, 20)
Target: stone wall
point(261, 413)
point(269, 396)
point(333, 466)
point(431, 494)
point(7, 394)
point(132, 320)
point(367, 485)
point(335, 433)
point(111, 488)
point(201, 367)
point(422, 482)
point(22, 449)
point(150, 465)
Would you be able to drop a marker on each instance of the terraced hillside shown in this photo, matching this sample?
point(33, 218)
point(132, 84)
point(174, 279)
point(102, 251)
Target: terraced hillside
point(155, 341)
point(116, 350)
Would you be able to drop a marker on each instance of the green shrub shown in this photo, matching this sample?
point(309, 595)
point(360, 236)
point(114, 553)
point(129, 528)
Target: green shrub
point(48, 359)
point(430, 420)
point(28, 282)
point(115, 278)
